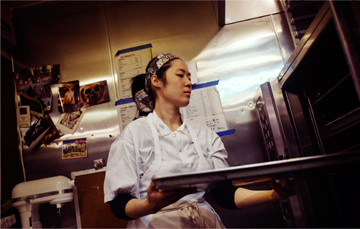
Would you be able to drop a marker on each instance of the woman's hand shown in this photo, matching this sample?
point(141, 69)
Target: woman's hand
point(158, 199)
point(283, 188)
point(155, 201)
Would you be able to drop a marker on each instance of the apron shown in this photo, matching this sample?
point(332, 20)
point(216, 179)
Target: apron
point(191, 211)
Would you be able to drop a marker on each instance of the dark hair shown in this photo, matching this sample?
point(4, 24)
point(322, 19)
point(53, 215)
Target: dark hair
point(138, 82)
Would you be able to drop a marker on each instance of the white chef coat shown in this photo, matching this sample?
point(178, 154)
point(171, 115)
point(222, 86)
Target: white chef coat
point(148, 147)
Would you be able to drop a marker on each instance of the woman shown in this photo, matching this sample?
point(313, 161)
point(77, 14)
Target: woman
point(164, 143)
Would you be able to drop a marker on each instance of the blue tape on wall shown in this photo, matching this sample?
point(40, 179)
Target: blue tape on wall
point(226, 132)
point(133, 49)
point(124, 101)
point(208, 84)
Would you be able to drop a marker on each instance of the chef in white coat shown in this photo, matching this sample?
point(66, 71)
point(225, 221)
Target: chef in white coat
point(164, 143)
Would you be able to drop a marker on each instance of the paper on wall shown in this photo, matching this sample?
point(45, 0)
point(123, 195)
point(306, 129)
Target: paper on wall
point(127, 113)
point(205, 107)
point(193, 71)
point(129, 63)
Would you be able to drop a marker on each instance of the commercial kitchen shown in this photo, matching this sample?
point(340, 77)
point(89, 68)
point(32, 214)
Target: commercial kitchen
point(284, 78)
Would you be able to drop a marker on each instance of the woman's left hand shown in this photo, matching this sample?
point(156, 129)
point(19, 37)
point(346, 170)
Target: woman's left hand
point(283, 188)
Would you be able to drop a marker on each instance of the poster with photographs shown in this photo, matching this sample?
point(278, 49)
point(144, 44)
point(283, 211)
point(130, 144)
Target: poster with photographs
point(39, 74)
point(74, 148)
point(94, 93)
point(69, 96)
point(69, 122)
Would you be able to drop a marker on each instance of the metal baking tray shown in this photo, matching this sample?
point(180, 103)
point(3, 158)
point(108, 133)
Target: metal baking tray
point(260, 172)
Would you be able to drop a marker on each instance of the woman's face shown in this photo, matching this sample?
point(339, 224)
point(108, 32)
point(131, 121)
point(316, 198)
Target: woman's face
point(177, 90)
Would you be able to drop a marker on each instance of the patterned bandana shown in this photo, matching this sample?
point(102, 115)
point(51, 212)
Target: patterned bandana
point(142, 99)
point(154, 66)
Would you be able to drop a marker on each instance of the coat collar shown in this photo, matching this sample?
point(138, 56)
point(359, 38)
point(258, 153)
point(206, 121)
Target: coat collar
point(163, 129)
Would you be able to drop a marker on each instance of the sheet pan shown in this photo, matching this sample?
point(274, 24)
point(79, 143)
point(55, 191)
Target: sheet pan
point(260, 172)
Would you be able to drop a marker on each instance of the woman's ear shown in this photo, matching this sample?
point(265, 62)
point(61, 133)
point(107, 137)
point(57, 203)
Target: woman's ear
point(155, 81)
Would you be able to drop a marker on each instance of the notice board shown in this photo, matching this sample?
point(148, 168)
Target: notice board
point(91, 211)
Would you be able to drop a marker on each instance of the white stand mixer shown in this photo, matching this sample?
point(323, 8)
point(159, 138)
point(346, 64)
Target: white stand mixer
point(27, 196)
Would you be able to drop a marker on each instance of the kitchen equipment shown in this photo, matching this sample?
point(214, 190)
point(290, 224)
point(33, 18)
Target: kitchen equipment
point(269, 120)
point(319, 112)
point(27, 196)
point(321, 85)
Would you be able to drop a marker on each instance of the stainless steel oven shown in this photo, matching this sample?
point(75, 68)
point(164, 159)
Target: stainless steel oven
point(321, 82)
point(313, 108)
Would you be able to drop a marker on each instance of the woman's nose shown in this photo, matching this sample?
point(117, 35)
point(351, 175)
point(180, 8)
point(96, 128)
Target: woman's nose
point(188, 82)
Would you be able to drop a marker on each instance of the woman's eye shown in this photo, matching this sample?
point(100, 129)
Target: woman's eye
point(180, 75)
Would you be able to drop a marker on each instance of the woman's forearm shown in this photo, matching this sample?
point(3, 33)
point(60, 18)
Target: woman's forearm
point(282, 189)
point(245, 198)
point(137, 208)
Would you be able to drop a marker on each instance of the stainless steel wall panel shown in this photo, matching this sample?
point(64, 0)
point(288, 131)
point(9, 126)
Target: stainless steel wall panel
point(179, 27)
point(236, 11)
point(83, 38)
point(74, 35)
point(286, 46)
point(44, 32)
point(79, 35)
point(242, 55)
